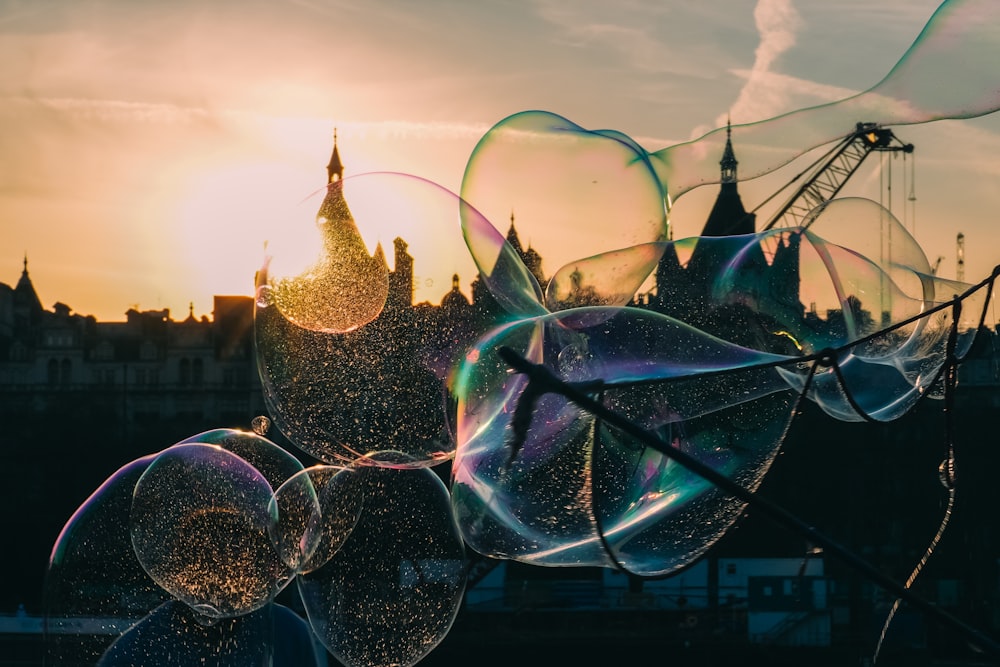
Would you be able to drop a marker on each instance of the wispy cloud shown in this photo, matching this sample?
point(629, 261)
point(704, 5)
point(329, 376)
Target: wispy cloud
point(125, 111)
point(632, 36)
point(105, 110)
point(777, 22)
point(801, 92)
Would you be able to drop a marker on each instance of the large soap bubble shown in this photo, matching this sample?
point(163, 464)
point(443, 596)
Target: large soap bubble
point(948, 72)
point(391, 593)
point(339, 394)
point(576, 492)
point(576, 192)
point(201, 529)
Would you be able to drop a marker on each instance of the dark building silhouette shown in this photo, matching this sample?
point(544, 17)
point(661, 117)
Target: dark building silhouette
point(701, 291)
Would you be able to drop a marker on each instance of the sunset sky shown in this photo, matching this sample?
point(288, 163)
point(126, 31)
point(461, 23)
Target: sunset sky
point(149, 149)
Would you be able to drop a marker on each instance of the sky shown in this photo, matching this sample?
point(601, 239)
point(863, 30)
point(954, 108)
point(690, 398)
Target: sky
point(150, 149)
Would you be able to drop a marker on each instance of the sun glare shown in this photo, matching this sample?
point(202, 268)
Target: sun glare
point(227, 216)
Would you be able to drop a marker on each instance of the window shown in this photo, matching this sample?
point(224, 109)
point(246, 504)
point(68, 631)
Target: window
point(104, 377)
point(53, 372)
point(65, 371)
point(234, 377)
point(18, 351)
point(147, 376)
point(198, 371)
point(59, 338)
point(147, 351)
point(185, 371)
point(104, 351)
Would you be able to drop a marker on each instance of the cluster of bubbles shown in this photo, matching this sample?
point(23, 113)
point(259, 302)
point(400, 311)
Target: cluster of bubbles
point(185, 552)
point(219, 524)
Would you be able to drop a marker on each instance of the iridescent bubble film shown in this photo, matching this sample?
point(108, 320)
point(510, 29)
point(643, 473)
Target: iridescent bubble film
point(94, 574)
point(946, 73)
point(391, 593)
point(574, 192)
point(575, 492)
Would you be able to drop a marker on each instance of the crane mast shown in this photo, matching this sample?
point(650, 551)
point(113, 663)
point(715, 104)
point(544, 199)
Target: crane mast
point(833, 172)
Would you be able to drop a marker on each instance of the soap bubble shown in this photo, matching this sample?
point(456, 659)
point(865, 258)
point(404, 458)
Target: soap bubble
point(340, 394)
point(887, 345)
point(577, 492)
point(260, 425)
point(200, 528)
point(391, 593)
point(93, 573)
point(317, 510)
point(575, 192)
point(946, 73)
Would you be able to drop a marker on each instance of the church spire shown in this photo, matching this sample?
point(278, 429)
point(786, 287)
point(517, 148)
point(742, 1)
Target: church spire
point(25, 295)
point(728, 162)
point(728, 217)
point(335, 169)
point(513, 239)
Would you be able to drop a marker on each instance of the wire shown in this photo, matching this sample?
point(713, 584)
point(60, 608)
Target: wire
point(946, 464)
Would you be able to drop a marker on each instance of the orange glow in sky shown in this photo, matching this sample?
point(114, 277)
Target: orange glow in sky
point(151, 148)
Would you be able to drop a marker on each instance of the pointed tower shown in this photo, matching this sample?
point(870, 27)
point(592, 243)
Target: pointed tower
point(25, 297)
point(26, 307)
point(340, 231)
point(335, 169)
point(728, 217)
point(532, 260)
point(379, 256)
point(513, 239)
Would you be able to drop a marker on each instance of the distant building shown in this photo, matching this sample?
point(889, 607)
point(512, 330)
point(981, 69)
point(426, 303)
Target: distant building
point(149, 367)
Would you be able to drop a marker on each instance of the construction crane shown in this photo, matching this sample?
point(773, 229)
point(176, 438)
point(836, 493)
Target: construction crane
point(830, 172)
point(937, 265)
